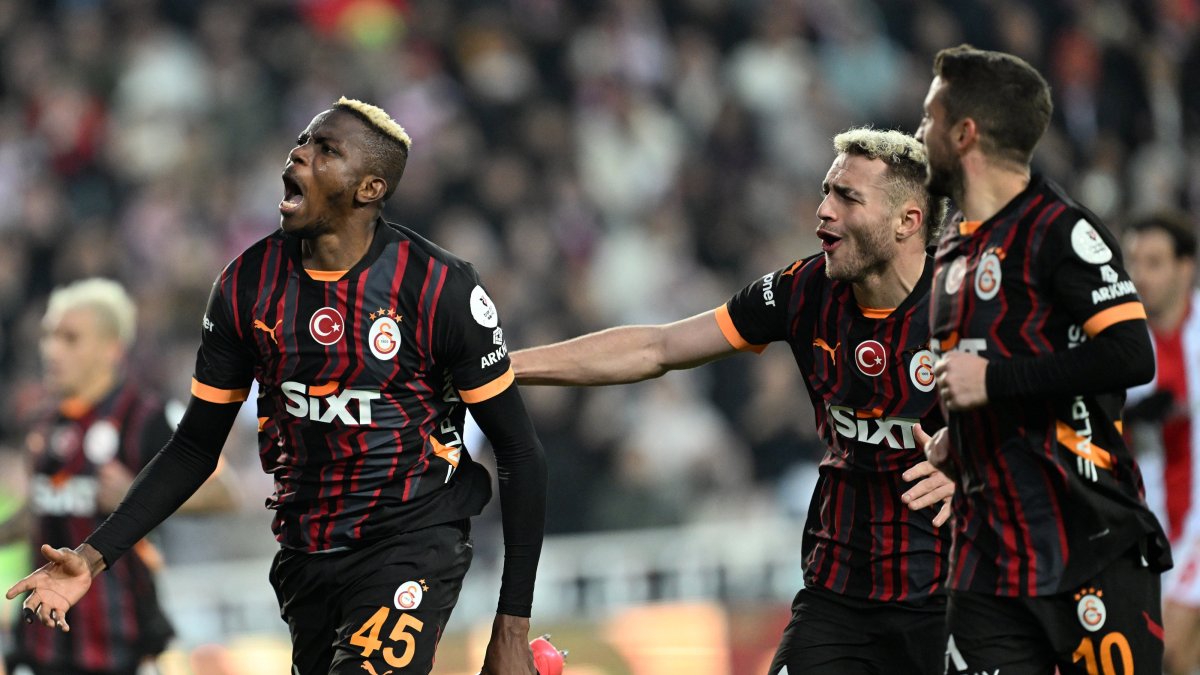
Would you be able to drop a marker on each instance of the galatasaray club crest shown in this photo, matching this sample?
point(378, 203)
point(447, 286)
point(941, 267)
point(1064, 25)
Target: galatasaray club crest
point(384, 337)
point(920, 370)
point(409, 595)
point(1090, 609)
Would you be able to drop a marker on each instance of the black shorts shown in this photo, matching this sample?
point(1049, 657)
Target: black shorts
point(834, 635)
point(1110, 625)
point(376, 609)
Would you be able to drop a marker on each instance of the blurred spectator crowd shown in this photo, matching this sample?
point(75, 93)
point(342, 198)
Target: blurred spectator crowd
point(600, 161)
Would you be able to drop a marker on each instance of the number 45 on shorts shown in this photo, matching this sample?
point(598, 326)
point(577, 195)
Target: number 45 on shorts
point(404, 630)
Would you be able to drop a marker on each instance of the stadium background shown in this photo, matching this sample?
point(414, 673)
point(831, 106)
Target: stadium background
point(601, 162)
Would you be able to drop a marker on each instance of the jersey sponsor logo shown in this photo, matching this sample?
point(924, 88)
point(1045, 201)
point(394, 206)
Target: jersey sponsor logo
point(870, 358)
point(955, 275)
point(1113, 291)
point(493, 357)
point(987, 276)
point(269, 330)
point(1077, 437)
point(384, 337)
point(409, 594)
point(768, 292)
point(451, 450)
point(63, 496)
point(498, 336)
point(920, 370)
point(867, 427)
point(208, 324)
point(1090, 609)
point(101, 441)
point(1088, 244)
point(326, 326)
point(482, 308)
point(323, 403)
point(1109, 275)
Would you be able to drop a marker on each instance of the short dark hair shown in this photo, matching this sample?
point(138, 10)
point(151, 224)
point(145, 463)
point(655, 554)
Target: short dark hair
point(1008, 98)
point(1176, 225)
point(385, 142)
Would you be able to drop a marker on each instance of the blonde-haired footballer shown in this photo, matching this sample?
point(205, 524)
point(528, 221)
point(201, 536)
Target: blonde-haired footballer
point(99, 428)
point(368, 344)
point(855, 317)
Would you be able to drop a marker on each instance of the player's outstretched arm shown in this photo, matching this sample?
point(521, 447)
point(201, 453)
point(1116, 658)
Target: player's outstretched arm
point(624, 354)
point(166, 482)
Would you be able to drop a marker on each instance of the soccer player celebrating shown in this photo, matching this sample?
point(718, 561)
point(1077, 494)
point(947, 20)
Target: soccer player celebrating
point(856, 319)
point(1161, 254)
point(1056, 557)
point(366, 341)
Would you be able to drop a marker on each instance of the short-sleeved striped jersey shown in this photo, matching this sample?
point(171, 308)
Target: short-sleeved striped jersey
point(870, 378)
point(1049, 494)
point(362, 378)
point(119, 621)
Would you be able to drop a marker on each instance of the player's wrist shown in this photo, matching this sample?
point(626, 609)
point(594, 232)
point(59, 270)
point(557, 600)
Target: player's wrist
point(95, 561)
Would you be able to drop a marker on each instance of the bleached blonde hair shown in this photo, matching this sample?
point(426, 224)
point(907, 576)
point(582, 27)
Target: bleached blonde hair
point(378, 118)
point(907, 168)
point(114, 309)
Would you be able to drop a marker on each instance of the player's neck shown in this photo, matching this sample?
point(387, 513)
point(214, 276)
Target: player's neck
point(340, 249)
point(1170, 319)
point(93, 389)
point(892, 284)
point(989, 185)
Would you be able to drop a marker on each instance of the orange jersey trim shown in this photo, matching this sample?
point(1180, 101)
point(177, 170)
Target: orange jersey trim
point(1085, 448)
point(876, 312)
point(968, 227)
point(74, 408)
point(489, 390)
point(732, 336)
point(326, 275)
point(214, 395)
point(1124, 312)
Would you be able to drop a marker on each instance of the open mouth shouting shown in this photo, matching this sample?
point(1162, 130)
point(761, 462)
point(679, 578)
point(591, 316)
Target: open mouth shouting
point(293, 195)
point(829, 240)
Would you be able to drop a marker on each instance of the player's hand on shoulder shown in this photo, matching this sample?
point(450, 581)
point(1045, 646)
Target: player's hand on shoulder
point(508, 650)
point(57, 585)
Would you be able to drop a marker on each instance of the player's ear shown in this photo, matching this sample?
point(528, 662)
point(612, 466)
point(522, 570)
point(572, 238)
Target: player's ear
point(370, 189)
point(910, 221)
point(964, 133)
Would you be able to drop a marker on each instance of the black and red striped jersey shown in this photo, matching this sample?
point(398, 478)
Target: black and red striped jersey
point(119, 621)
point(362, 379)
point(869, 374)
point(1048, 494)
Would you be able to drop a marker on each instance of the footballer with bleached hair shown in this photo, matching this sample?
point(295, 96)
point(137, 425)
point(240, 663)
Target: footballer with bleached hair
point(856, 318)
point(368, 344)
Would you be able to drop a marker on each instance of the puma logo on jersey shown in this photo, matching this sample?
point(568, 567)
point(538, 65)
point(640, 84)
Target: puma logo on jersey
point(366, 665)
point(259, 325)
point(868, 427)
point(323, 403)
point(825, 345)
